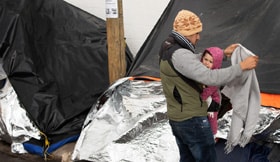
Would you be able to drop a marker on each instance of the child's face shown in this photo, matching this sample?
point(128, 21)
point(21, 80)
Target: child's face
point(207, 60)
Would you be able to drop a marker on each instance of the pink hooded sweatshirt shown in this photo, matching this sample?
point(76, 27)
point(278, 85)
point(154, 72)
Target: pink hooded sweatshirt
point(213, 91)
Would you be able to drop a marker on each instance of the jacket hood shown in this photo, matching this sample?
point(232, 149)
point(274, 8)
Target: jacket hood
point(217, 54)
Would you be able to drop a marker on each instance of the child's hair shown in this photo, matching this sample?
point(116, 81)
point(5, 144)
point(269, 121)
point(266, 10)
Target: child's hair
point(217, 54)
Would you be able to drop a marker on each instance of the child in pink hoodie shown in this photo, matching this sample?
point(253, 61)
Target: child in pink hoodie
point(212, 58)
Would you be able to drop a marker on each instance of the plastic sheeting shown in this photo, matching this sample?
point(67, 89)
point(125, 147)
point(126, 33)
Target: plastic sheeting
point(252, 23)
point(129, 123)
point(55, 57)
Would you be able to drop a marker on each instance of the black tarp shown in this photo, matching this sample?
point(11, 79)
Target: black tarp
point(55, 56)
point(252, 152)
point(253, 23)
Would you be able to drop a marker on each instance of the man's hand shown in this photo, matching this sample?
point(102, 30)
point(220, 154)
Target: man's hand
point(249, 63)
point(229, 50)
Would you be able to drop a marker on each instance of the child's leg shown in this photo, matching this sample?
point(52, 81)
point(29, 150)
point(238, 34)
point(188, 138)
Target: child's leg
point(213, 122)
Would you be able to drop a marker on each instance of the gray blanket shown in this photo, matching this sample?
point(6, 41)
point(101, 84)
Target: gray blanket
point(244, 94)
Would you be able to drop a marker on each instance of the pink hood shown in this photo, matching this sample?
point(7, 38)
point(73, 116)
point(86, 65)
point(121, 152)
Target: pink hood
point(217, 54)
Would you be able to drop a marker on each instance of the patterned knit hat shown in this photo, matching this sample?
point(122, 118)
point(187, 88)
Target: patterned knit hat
point(187, 23)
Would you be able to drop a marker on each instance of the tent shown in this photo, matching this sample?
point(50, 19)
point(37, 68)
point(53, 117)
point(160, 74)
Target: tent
point(254, 24)
point(135, 124)
point(55, 58)
point(130, 115)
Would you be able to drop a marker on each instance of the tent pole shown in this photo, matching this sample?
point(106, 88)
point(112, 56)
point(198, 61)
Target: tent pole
point(115, 40)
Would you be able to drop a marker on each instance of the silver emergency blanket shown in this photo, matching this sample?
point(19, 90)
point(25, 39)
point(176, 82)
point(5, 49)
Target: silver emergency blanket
point(15, 126)
point(129, 123)
point(130, 126)
point(267, 116)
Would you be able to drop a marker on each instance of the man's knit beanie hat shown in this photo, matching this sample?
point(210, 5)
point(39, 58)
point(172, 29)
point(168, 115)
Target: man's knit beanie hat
point(187, 23)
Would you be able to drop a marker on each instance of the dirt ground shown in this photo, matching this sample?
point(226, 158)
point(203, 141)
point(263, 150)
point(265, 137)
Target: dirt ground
point(61, 155)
